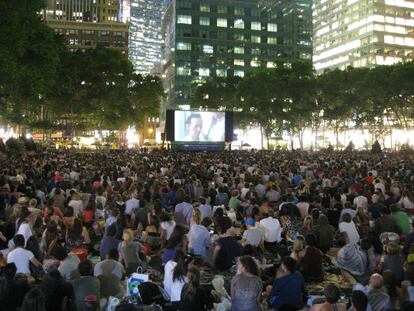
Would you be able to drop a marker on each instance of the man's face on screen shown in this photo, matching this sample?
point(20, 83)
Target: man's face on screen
point(194, 128)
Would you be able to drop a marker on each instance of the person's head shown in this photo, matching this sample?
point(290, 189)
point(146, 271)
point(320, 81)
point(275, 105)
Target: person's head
point(59, 252)
point(288, 264)
point(308, 222)
point(18, 240)
point(392, 249)
point(194, 124)
point(196, 216)
point(176, 237)
point(246, 264)
point(250, 223)
point(85, 268)
point(394, 208)
point(111, 230)
point(332, 293)
point(68, 211)
point(384, 211)
point(347, 218)
point(113, 254)
point(359, 301)
point(127, 235)
point(360, 211)
point(9, 271)
point(219, 212)
point(299, 244)
point(34, 300)
point(376, 281)
point(323, 220)
point(206, 222)
point(311, 240)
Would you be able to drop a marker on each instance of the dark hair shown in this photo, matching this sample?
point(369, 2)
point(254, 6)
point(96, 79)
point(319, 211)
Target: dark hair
point(190, 289)
point(249, 264)
point(165, 217)
point(346, 217)
point(175, 237)
point(59, 252)
point(206, 222)
point(9, 271)
point(359, 300)
point(85, 268)
point(384, 210)
point(75, 231)
point(311, 240)
point(289, 263)
point(111, 230)
point(192, 116)
point(19, 240)
point(179, 270)
point(68, 211)
point(113, 254)
point(332, 293)
point(34, 301)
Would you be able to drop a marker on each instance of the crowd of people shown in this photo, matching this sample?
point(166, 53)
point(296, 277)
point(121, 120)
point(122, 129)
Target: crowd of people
point(233, 230)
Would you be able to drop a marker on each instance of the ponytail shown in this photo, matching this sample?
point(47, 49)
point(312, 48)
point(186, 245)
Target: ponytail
point(193, 284)
point(179, 270)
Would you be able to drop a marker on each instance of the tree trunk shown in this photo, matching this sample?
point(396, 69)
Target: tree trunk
point(261, 136)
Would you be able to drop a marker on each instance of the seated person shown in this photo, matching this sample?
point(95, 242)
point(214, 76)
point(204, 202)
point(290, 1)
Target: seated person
point(288, 288)
point(12, 289)
point(332, 295)
point(311, 261)
point(110, 272)
point(226, 251)
point(22, 257)
point(86, 285)
point(351, 258)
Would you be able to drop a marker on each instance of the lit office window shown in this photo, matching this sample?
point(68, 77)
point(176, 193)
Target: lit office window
point(208, 49)
point(221, 73)
point(221, 22)
point(204, 21)
point(183, 46)
point(239, 73)
point(272, 27)
point(255, 39)
point(204, 8)
point(271, 40)
point(239, 24)
point(256, 26)
point(184, 19)
point(238, 50)
point(239, 62)
point(183, 71)
point(204, 72)
point(238, 11)
point(254, 63)
point(255, 51)
point(221, 9)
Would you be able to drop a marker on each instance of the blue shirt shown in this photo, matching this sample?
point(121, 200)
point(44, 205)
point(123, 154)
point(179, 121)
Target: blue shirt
point(287, 290)
point(199, 239)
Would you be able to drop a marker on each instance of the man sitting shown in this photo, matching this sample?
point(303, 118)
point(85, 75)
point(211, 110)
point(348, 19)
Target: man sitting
point(22, 257)
point(110, 272)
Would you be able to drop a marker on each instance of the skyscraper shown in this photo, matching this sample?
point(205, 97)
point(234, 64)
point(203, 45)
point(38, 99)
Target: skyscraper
point(362, 33)
point(228, 38)
point(88, 23)
point(145, 34)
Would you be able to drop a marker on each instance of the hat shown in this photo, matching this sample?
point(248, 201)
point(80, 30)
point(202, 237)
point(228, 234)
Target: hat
point(249, 222)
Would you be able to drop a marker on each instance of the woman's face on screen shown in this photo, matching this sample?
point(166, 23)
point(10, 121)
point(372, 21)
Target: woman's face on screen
point(194, 128)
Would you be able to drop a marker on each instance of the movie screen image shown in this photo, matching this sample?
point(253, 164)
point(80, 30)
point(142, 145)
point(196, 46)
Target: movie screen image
point(199, 126)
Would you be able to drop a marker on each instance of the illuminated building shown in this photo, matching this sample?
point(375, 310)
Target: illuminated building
point(227, 38)
point(362, 33)
point(145, 34)
point(88, 23)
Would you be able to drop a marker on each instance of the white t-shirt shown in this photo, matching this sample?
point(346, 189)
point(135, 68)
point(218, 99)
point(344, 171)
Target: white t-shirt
point(168, 226)
point(173, 288)
point(131, 205)
point(350, 230)
point(77, 206)
point(25, 230)
point(272, 229)
point(21, 258)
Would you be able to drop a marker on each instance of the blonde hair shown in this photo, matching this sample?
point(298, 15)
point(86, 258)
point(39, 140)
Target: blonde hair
point(308, 222)
point(33, 203)
point(130, 235)
point(299, 244)
point(196, 216)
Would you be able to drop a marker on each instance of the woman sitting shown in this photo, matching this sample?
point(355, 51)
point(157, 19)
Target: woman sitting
point(129, 252)
point(311, 261)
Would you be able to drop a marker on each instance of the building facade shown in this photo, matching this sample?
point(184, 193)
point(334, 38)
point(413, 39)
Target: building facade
point(88, 23)
point(145, 35)
point(362, 33)
point(203, 39)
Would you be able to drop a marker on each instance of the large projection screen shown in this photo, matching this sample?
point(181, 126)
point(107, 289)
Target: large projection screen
point(199, 126)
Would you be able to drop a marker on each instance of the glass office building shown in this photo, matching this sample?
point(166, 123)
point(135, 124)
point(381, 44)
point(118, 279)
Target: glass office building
point(362, 33)
point(145, 34)
point(203, 39)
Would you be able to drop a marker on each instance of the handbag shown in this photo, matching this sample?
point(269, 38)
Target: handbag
point(133, 282)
